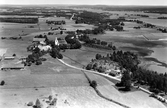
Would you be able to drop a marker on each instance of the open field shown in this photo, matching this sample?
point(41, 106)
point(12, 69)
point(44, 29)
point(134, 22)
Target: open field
point(156, 36)
point(158, 22)
point(127, 98)
point(82, 56)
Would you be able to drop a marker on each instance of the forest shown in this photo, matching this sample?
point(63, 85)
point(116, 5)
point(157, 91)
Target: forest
point(19, 20)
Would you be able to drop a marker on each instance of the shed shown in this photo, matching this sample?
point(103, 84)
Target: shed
point(12, 66)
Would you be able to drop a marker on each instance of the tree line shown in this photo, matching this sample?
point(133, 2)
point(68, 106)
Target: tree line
point(96, 43)
point(19, 20)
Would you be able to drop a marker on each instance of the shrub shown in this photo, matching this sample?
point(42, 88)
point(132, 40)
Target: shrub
point(38, 62)
point(50, 97)
point(59, 56)
point(119, 84)
point(14, 55)
point(43, 59)
point(2, 82)
point(93, 84)
point(30, 104)
point(54, 102)
point(89, 67)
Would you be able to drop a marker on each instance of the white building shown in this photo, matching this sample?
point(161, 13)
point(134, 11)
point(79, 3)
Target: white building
point(56, 41)
point(9, 58)
point(44, 48)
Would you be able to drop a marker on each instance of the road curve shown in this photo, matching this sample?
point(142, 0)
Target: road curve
point(108, 76)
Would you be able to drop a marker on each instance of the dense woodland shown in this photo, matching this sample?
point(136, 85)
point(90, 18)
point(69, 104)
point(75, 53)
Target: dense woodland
point(136, 74)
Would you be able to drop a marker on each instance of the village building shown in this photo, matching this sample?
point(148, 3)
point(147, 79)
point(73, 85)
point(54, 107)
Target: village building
point(12, 66)
point(8, 58)
point(44, 47)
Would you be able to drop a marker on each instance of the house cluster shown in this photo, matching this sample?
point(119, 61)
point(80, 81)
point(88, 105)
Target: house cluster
point(40, 43)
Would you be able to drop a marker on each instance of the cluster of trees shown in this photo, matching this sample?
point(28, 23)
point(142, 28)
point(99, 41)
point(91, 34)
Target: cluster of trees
point(93, 84)
point(149, 25)
point(129, 61)
point(64, 14)
point(55, 53)
point(95, 31)
point(111, 24)
point(138, 27)
point(41, 36)
point(35, 57)
point(96, 43)
point(125, 81)
point(88, 17)
point(56, 22)
point(73, 41)
point(50, 33)
point(162, 30)
point(142, 15)
point(137, 21)
point(19, 20)
point(2, 83)
point(162, 18)
point(95, 67)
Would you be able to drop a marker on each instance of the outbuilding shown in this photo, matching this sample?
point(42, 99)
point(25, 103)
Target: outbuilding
point(12, 66)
